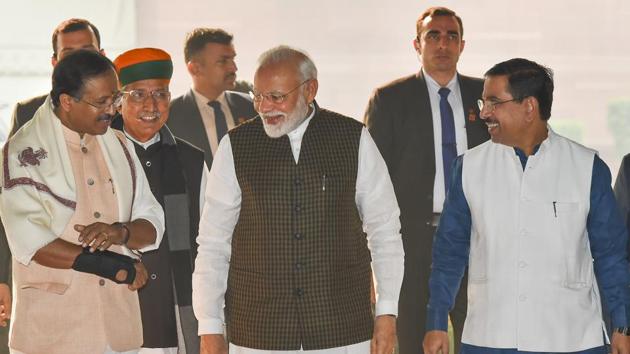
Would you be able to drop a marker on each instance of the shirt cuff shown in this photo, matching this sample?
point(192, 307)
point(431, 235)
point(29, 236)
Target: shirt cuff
point(620, 317)
point(210, 326)
point(384, 307)
point(437, 319)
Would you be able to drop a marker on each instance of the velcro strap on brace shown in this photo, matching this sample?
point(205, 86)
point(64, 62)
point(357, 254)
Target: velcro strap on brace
point(105, 264)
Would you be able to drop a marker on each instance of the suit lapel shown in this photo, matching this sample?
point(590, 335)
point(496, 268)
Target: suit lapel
point(196, 128)
point(476, 131)
point(421, 109)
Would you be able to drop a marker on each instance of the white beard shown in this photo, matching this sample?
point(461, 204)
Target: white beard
point(289, 121)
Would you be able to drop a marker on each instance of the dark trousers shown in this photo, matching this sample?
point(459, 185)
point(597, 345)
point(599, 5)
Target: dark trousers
point(414, 295)
point(4, 339)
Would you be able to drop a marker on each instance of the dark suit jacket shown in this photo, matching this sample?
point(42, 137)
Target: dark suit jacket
point(400, 121)
point(24, 111)
point(185, 119)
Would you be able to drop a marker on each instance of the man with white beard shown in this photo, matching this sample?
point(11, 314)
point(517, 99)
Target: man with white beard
point(298, 203)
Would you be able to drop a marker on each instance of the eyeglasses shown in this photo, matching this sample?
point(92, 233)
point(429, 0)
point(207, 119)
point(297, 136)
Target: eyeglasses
point(490, 105)
point(274, 97)
point(139, 96)
point(113, 102)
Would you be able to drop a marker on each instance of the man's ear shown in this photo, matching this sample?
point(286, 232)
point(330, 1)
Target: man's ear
point(311, 90)
point(416, 45)
point(66, 101)
point(193, 68)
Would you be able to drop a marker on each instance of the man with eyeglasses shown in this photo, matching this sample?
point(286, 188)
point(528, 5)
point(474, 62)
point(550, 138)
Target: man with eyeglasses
point(421, 123)
point(299, 213)
point(533, 217)
point(176, 173)
point(69, 35)
point(77, 208)
point(204, 114)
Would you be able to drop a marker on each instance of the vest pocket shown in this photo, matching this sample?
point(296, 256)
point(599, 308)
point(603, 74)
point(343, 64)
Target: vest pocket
point(51, 280)
point(571, 224)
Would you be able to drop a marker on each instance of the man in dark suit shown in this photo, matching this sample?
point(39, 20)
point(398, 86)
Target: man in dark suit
point(70, 35)
point(204, 114)
point(421, 123)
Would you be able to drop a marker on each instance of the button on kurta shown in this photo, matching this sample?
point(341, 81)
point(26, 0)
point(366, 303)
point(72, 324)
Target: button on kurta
point(101, 282)
point(84, 149)
point(148, 163)
point(97, 214)
point(90, 181)
point(153, 276)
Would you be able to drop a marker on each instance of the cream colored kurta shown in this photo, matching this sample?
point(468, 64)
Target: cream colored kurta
point(64, 311)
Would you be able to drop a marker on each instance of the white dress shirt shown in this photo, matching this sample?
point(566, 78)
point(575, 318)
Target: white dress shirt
point(207, 116)
point(375, 200)
point(455, 100)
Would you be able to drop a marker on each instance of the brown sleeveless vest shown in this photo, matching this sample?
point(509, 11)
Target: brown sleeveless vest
point(300, 268)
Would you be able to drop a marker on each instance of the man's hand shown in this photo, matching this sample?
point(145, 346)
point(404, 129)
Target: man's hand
point(5, 304)
point(213, 344)
point(435, 342)
point(620, 344)
point(384, 337)
point(141, 276)
point(99, 235)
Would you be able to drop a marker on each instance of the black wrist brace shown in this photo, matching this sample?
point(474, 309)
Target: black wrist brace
point(105, 264)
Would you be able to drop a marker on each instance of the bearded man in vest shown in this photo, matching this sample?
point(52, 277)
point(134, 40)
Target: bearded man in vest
point(299, 213)
point(533, 216)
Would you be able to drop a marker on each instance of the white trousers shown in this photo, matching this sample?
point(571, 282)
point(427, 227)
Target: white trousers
point(359, 348)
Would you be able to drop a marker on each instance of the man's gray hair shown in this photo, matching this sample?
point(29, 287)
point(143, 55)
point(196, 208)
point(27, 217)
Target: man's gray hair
point(285, 53)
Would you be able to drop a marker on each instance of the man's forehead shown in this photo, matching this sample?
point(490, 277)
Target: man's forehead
point(280, 73)
point(85, 35)
point(495, 86)
point(440, 23)
point(101, 85)
point(148, 84)
point(218, 49)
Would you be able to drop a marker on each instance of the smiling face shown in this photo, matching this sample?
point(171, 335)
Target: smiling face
point(280, 79)
point(506, 121)
point(143, 118)
point(440, 44)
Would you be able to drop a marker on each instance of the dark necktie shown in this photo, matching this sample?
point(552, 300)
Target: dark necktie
point(449, 145)
point(219, 119)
